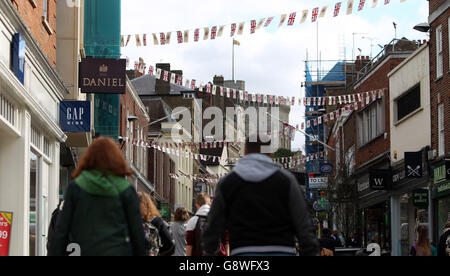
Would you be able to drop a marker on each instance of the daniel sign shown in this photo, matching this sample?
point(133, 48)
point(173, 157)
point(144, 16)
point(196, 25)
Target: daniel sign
point(318, 183)
point(101, 75)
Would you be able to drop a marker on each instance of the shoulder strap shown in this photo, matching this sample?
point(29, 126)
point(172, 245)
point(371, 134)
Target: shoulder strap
point(120, 196)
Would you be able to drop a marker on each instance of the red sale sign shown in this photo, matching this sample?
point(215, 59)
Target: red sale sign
point(5, 232)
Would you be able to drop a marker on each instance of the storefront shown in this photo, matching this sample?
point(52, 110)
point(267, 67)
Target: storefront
point(440, 198)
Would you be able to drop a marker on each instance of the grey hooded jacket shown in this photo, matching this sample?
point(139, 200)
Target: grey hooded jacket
point(263, 210)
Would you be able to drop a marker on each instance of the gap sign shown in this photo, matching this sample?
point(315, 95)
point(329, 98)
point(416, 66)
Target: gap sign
point(75, 116)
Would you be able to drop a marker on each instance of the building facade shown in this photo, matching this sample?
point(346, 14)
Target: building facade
point(31, 90)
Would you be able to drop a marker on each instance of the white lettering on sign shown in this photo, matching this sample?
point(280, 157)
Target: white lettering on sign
point(378, 181)
point(4, 235)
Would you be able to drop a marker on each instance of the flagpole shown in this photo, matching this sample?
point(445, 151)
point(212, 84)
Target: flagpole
point(233, 62)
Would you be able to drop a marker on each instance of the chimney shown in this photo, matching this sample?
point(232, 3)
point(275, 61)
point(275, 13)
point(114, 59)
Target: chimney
point(162, 87)
point(218, 80)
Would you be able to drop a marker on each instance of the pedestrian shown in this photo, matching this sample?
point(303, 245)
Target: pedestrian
point(423, 246)
point(444, 241)
point(178, 229)
point(196, 226)
point(327, 243)
point(101, 215)
point(352, 241)
point(335, 237)
point(159, 240)
point(262, 208)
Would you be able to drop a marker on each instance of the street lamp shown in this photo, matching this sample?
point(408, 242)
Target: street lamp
point(395, 27)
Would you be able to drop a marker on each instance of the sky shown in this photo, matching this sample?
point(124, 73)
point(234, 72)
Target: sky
point(271, 61)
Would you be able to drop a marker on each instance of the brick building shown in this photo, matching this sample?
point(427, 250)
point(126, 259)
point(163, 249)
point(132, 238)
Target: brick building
point(439, 21)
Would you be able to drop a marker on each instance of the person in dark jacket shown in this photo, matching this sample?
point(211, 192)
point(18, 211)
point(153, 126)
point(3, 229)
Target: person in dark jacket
point(444, 241)
point(101, 210)
point(326, 241)
point(262, 209)
point(150, 214)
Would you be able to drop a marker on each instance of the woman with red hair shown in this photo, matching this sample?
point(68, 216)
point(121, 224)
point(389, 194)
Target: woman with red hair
point(101, 212)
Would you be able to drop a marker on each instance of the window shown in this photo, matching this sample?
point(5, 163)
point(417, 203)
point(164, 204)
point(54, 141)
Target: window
point(439, 52)
point(441, 129)
point(408, 103)
point(371, 122)
point(34, 186)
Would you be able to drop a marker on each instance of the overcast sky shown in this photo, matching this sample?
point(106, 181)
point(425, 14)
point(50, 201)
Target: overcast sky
point(272, 61)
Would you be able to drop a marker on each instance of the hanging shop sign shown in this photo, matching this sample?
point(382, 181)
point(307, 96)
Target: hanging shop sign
point(104, 76)
point(380, 179)
point(75, 116)
point(413, 164)
point(18, 56)
point(5, 232)
point(326, 168)
point(164, 210)
point(421, 198)
point(318, 183)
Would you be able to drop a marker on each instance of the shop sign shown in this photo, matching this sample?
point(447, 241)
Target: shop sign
point(363, 186)
point(18, 57)
point(101, 75)
point(164, 210)
point(447, 169)
point(75, 116)
point(420, 198)
point(380, 179)
point(318, 183)
point(326, 168)
point(413, 164)
point(5, 232)
point(439, 174)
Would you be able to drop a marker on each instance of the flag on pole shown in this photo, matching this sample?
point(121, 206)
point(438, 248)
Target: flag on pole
point(315, 13)
point(349, 6)
point(323, 11)
point(337, 8)
point(291, 20)
point(304, 16)
point(283, 18)
point(235, 42)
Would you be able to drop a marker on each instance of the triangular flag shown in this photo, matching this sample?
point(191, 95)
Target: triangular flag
point(144, 39)
point(241, 28)
point(128, 40)
point(158, 73)
point(315, 13)
point(155, 39)
point(269, 20)
point(323, 11)
point(206, 33)
point(350, 7)
point(162, 37)
point(220, 32)
point(283, 18)
point(186, 36)
point(122, 41)
point(180, 37)
point(168, 37)
point(374, 4)
point(337, 9)
point(304, 16)
point(260, 23)
point(361, 4)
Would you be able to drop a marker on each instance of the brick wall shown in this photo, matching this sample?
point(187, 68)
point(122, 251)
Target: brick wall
point(435, 4)
point(378, 80)
point(440, 87)
point(44, 33)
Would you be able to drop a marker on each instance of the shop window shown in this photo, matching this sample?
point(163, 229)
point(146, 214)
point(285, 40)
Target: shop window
point(408, 103)
point(33, 220)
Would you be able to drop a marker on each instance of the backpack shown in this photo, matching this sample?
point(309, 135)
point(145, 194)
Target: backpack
point(153, 239)
point(447, 246)
point(199, 229)
point(52, 225)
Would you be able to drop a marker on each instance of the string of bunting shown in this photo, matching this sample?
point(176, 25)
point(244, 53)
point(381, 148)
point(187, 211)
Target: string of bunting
point(246, 97)
point(252, 26)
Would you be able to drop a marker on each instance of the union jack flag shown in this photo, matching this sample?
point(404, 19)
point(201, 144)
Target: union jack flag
point(213, 32)
point(179, 80)
point(386, 2)
point(253, 26)
point(193, 84)
point(233, 29)
point(361, 4)
point(292, 18)
point(271, 99)
point(150, 70)
point(259, 99)
point(162, 37)
point(166, 76)
point(337, 8)
point(315, 13)
point(269, 20)
point(196, 35)
point(180, 37)
point(208, 88)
